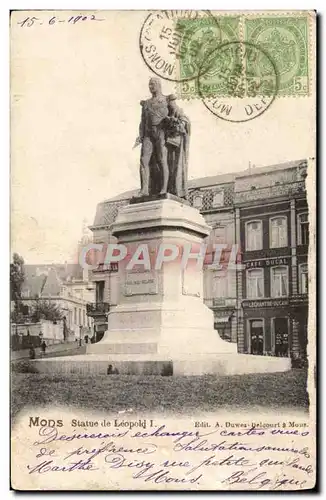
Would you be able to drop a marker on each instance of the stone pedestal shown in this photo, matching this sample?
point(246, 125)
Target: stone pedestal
point(161, 325)
point(161, 311)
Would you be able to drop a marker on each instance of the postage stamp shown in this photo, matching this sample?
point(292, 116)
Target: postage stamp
point(198, 43)
point(287, 41)
point(284, 40)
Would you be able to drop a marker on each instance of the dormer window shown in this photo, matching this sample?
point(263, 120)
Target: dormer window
point(218, 199)
point(197, 201)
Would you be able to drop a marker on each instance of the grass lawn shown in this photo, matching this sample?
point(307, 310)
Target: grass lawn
point(187, 395)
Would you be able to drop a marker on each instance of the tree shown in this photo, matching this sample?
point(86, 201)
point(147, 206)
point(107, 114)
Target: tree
point(46, 309)
point(17, 277)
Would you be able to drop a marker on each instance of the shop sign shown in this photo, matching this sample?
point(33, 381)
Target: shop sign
point(285, 302)
point(277, 261)
point(256, 304)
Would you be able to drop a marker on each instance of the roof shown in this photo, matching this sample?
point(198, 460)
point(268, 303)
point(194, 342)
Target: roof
point(45, 280)
point(271, 168)
point(211, 181)
point(33, 285)
point(52, 284)
point(106, 211)
point(219, 178)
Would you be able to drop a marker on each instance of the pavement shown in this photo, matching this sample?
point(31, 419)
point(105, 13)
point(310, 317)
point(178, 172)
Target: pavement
point(66, 349)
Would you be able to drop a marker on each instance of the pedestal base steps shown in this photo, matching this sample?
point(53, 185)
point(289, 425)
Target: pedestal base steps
point(149, 364)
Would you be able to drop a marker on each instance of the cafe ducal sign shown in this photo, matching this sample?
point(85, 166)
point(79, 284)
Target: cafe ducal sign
point(277, 261)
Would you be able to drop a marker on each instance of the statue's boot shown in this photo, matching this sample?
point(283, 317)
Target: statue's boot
point(165, 185)
point(143, 193)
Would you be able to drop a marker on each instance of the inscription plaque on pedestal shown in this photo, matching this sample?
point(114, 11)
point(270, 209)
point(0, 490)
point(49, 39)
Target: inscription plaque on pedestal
point(140, 283)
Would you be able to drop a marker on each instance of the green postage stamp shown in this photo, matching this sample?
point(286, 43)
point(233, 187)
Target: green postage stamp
point(286, 40)
point(201, 40)
point(281, 41)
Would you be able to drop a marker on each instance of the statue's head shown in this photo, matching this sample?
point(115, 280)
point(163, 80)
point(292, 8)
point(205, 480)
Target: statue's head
point(155, 86)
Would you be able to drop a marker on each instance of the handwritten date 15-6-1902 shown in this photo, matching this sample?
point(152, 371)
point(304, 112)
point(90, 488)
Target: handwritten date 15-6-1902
point(28, 22)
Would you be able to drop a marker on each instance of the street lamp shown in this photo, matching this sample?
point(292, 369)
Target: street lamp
point(80, 335)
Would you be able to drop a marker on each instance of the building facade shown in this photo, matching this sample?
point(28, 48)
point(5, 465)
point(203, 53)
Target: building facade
point(259, 298)
point(69, 291)
point(271, 215)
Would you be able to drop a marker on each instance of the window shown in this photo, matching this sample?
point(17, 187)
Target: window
point(255, 283)
point(25, 310)
point(99, 291)
point(84, 317)
point(279, 281)
point(220, 285)
point(303, 278)
point(256, 332)
point(254, 235)
point(197, 201)
point(280, 329)
point(75, 315)
point(303, 229)
point(218, 199)
point(219, 234)
point(278, 229)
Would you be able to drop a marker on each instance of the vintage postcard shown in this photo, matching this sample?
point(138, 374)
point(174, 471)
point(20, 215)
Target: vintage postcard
point(163, 250)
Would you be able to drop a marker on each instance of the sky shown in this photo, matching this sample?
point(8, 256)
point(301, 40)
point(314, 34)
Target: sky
point(75, 93)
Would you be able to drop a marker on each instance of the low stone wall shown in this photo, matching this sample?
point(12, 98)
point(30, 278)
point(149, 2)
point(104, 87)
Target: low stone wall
point(220, 364)
point(58, 349)
point(26, 334)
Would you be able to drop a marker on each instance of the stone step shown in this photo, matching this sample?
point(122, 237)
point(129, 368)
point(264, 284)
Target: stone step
point(148, 364)
point(122, 348)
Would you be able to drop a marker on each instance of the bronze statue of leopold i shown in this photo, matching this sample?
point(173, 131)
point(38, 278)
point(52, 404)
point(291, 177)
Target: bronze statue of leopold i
point(164, 134)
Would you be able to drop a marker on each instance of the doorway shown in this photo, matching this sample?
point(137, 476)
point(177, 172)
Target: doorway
point(256, 332)
point(281, 336)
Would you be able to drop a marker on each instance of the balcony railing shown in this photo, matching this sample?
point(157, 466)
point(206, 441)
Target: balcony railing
point(288, 189)
point(97, 309)
point(107, 268)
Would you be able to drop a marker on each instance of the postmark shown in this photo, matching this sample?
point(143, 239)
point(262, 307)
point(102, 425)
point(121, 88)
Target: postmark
point(240, 82)
point(286, 39)
point(167, 37)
